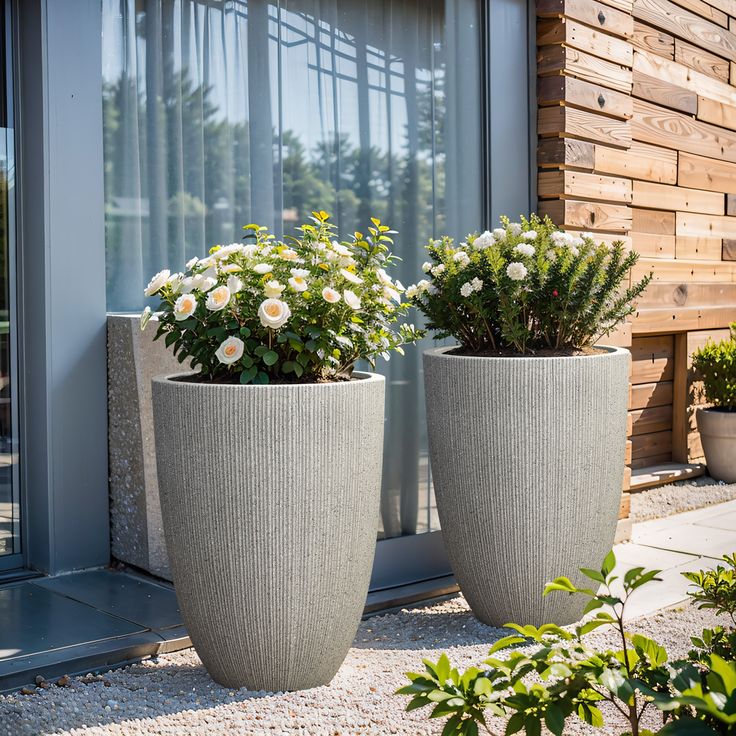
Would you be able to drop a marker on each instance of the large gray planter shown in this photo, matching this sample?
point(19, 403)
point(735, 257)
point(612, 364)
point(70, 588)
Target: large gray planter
point(718, 435)
point(527, 457)
point(270, 498)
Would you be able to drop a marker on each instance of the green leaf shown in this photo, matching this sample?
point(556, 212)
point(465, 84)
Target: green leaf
point(592, 574)
point(270, 357)
point(248, 374)
point(554, 719)
point(609, 562)
point(262, 378)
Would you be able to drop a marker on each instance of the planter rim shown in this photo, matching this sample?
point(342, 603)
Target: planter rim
point(606, 351)
point(359, 378)
point(716, 410)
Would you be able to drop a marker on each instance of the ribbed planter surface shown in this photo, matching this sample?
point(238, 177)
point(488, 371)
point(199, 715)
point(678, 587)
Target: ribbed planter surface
point(269, 497)
point(527, 459)
point(718, 436)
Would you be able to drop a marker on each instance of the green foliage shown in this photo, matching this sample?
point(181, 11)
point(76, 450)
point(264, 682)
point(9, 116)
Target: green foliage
point(716, 589)
point(269, 311)
point(715, 364)
point(526, 287)
point(539, 677)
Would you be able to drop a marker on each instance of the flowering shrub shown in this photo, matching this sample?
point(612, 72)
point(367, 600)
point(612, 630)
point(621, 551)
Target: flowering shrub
point(558, 675)
point(271, 311)
point(525, 287)
point(716, 365)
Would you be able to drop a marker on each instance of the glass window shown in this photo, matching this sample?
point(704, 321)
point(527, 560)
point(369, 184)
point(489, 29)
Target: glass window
point(219, 114)
point(10, 523)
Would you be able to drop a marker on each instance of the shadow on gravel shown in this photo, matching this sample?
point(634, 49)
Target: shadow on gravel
point(426, 627)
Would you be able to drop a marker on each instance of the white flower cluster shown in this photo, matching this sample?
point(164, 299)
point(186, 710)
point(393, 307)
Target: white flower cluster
point(269, 283)
point(470, 286)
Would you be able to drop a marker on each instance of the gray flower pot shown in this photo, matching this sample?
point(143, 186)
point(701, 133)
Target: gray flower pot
point(527, 457)
point(269, 498)
point(718, 436)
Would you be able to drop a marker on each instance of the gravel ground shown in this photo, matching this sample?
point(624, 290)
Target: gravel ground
point(174, 695)
point(655, 503)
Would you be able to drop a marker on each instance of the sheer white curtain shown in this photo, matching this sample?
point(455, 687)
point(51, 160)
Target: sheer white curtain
point(220, 113)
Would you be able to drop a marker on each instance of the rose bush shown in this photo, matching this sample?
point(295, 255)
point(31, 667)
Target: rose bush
point(525, 287)
point(269, 311)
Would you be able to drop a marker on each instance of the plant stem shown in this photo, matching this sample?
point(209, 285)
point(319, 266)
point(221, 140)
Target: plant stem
point(633, 718)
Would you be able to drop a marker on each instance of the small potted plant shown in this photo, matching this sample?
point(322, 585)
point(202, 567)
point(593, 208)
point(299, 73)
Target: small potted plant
point(269, 457)
point(526, 416)
point(715, 364)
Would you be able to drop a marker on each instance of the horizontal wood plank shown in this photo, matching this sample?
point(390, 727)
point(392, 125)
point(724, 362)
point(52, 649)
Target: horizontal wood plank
point(718, 113)
point(588, 215)
point(664, 93)
point(702, 61)
point(561, 90)
point(592, 13)
point(656, 419)
point(709, 226)
point(654, 444)
point(682, 76)
point(686, 25)
point(683, 271)
point(566, 153)
point(653, 245)
point(580, 185)
point(651, 394)
point(666, 197)
point(651, 371)
point(705, 10)
point(556, 59)
point(683, 319)
point(652, 221)
point(587, 39)
point(700, 172)
point(653, 40)
point(660, 295)
point(653, 124)
point(699, 249)
point(640, 161)
point(570, 122)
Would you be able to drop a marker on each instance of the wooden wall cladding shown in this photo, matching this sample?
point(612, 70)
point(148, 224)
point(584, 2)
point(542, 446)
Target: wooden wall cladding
point(637, 141)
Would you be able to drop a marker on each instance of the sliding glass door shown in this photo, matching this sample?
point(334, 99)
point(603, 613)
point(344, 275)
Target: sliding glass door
point(219, 114)
point(10, 514)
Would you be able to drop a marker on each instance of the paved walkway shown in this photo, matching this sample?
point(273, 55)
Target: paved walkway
point(675, 544)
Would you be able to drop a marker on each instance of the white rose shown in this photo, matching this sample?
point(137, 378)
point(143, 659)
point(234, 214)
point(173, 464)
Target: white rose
point(423, 285)
point(515, 228)
point(390, 293)
point(477, 284)
point(466, 289)
point(351, 277)
point(273, 289)
point(207, 262)
point(184, 306)
point(202, 282)
point(525, 249)
point(340, 249)
point(426, 266)
point(516, 271)
point(157, 282)
point(145, 317)
point(288, 254)
point(461, 258)
point(499, 233)
point(412, 291)
point(234, 284)
point(330, 295)
point(250, 250)
point(351, 299)
point(218, 299)
point(230, 350)
point(484, 240)
point(529, 235)
point(231, 268)
point(273, 313)
point(298, 282)
point(192, 262)
point(438, 269)
point(263, 268)
point(227, 250)
point(383, 277)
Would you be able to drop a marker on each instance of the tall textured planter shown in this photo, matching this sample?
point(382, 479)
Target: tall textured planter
point(270, 497)
point(527, 458)
point(718, 435)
